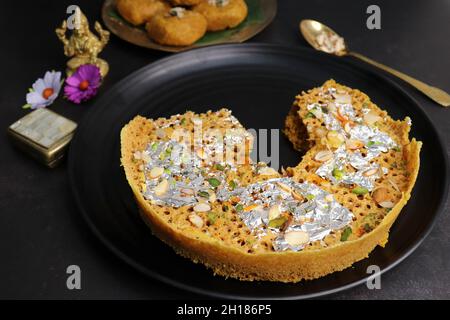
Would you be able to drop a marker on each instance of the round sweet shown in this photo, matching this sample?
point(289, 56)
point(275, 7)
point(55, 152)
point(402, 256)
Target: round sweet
point(222, 14)
point(179, 27)
point(138, 12)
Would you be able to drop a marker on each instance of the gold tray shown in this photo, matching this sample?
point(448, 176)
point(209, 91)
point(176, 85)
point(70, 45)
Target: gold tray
point(260, 15)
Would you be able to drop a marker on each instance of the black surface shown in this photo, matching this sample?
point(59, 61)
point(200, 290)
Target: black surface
point(42, 232)
point(258, 83)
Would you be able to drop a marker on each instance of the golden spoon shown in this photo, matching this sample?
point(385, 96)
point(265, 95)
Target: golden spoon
point(323, 38)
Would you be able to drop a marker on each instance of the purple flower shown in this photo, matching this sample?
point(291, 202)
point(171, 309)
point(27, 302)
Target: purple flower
point(83, 83)
point(44, 91)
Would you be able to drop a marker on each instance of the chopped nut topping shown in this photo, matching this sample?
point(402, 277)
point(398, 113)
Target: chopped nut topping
point(202, 207)
point(267, 171)
point(371, 117)
point(380, 195)
point(284, 187)
point(370, 172)
point(323, 156)
point(274, 212)
point(156, 172)
point(161, 188)
point(196, 220)
point(296, 238)
point(252, 207)
point(386, 204)
point(353, 144)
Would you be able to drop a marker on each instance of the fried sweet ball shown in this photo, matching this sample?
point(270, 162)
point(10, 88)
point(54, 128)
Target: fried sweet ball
point(222, 14)
point(178, 27)
point(185, 2)
point(138, 12)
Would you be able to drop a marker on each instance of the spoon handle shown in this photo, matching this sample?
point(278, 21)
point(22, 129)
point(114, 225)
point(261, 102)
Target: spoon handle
point(436, 94)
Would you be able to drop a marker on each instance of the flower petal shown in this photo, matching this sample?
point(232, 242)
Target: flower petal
point(39, 86)
point(52, 98)
point(48, 79)
point(35, 98)
point(56, 83)
point(74, 80)
point(91, 72)
point(72, 94)
point(83, 71)
point(69, 89)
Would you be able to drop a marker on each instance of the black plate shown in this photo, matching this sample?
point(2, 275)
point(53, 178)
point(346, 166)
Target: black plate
point(258, 82)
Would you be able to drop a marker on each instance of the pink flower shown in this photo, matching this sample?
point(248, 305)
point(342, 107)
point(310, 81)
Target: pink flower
point(83, 83)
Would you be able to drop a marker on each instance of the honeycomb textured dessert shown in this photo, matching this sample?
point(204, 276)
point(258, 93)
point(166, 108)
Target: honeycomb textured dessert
point(200, 193)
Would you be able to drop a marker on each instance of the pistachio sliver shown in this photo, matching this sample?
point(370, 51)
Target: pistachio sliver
point(213, 182)
point(203, 194)
point(337, 173)
point(346, 233)
point(277, 222)
point(360, 191)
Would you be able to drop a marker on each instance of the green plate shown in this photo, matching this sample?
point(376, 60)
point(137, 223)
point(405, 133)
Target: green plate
point(260, 15)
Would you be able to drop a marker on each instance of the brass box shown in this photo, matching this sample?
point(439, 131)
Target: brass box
point(44, 135)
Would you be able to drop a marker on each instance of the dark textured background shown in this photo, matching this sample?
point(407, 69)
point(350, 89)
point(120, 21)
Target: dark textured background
point(41, 232)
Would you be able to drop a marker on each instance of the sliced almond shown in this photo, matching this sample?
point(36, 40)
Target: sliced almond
point(386, 204)
point(297, 196)
point(156, 172)
point(370, 172)
point(296, 238)
point(161, 188)
point(202, 207)
point(187, 191)
point(380, 195)
point(267, 171)
point(252, 207)
point(196, 220)
point(212, 196)
point(284, 187)
point(274, 212)
point(202, 200)
point(394, 185)
point(371, 117)
point(323, 156)
point(137, 155)
point(354, 144)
